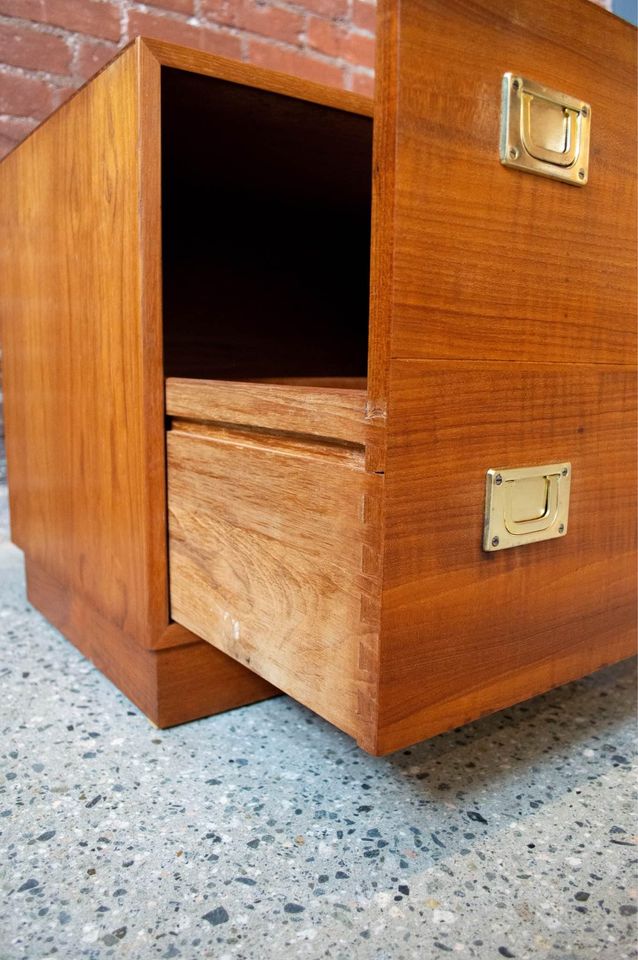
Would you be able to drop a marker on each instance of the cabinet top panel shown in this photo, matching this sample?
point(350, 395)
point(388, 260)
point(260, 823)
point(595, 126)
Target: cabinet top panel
point(196, 61)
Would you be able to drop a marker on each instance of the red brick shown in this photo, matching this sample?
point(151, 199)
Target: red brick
point(6, 146)
point(16, 128)
point(363, 83)
point(26, 96)
point(92, 55)
point(24, 47)
point(360, 50)
point(12, 131)
point(180, 6)
point(26, 9)
point(327, 8)
point(296, 63)
point(60, 94)
point(336, 41)
point(97, 18)
point(169, 28)
point(364, 15)
point(264, 18)
point(325, 36)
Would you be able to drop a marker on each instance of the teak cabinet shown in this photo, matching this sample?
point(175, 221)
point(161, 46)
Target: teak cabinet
point(264, 339)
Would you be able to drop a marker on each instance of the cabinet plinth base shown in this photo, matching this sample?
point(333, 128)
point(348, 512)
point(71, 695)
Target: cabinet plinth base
point(172, 685)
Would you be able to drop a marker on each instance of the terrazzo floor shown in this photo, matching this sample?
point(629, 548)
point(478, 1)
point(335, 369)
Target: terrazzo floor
point(265, 833)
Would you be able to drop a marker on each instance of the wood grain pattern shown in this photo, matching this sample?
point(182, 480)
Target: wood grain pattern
point(319, 411)
point(326, 534)
point(383, 229)
point(83, 376)
point(345, 383)
point(80, 305)
point(481, 261)
point(465, 632)
point(207, 64)
point(274, 560)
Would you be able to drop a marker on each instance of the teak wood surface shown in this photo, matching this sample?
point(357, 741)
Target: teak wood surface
point(501, 335)
point(326, 531)
point(483, 262)
point(480, 275)
point(274, 559)
point(465, 632)
point(333, 413)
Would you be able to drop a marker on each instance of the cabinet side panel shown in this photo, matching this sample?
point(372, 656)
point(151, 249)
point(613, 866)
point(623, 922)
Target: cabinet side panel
point(83, 372)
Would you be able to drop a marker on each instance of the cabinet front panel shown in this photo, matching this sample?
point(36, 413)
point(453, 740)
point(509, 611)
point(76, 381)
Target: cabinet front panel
point(465, 631)
point(82, 353)
point(490, 262)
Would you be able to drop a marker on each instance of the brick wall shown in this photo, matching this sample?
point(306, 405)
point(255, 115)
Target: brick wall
point(50, 47)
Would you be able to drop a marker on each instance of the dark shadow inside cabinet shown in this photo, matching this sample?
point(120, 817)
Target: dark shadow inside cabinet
point(266, 234)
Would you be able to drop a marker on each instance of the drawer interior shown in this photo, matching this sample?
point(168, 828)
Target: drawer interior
point(266, 233)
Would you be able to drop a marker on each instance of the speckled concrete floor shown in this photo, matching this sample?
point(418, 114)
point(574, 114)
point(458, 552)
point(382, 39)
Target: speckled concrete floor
point(265, 834)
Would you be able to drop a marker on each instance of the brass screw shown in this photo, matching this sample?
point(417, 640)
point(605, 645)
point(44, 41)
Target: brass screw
point(565, 471)
point(584, 110)
point(498, 479)
point(561, 529)
point(516, 84)
point(581, 174)
point(514, 154)
point(495, 541)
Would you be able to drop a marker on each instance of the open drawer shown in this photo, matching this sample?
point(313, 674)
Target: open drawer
point(368, 596)
point(273, 532)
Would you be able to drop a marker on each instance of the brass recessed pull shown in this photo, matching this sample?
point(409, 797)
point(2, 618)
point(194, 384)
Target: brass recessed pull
point(544, 131)
point(525, 505)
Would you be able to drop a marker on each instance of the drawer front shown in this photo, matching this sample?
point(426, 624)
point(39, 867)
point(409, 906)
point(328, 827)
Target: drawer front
point(464, 631)
point(273, 560)
point(475, 260)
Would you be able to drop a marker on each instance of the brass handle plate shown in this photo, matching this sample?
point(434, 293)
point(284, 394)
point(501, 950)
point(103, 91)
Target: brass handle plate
point(544, 131)
point(525, 505)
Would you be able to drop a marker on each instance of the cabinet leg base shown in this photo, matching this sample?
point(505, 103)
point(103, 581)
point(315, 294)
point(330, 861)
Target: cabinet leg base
point(172, 685)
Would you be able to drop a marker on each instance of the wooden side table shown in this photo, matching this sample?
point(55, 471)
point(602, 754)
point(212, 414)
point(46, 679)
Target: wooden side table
point(331, 396)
